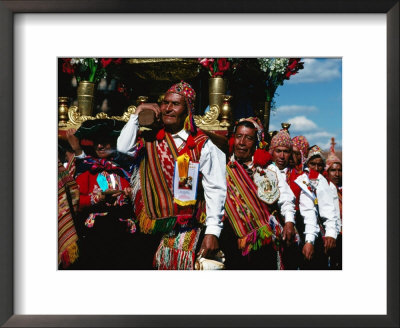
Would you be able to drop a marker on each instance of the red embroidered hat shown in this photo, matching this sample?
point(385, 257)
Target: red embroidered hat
point(302, 144)
point(281, 139)
point(185, 89)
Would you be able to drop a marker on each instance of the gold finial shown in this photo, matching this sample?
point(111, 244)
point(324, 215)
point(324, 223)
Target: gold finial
point(141, 100)
point(286, 126)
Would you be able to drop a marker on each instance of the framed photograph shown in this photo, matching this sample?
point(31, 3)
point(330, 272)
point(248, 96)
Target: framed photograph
point(34, 34)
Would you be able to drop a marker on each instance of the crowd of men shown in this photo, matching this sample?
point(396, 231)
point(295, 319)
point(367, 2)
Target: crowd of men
point(128, 204)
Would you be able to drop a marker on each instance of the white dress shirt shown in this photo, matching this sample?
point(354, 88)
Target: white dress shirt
point(308, 209)
point(212, 166)
point(286, 198)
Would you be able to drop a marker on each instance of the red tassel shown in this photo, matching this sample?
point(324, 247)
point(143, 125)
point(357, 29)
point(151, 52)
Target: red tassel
point(231, 143)
point(313, 174)
point(190, 142)
point(262, 157)
point(160, 135)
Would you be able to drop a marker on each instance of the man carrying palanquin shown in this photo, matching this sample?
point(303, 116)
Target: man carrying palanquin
point(167, 155)
point(259, 205)
point(281, 149)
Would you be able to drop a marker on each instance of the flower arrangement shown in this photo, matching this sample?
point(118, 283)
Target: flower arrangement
point(89, 69)
point(276, 71)
point(215, 66)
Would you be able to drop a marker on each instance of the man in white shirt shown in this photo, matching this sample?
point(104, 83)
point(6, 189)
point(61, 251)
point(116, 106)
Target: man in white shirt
point(156, 206)
point(318, 211)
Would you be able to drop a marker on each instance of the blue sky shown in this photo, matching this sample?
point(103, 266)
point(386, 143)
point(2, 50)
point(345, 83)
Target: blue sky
point(312, 102)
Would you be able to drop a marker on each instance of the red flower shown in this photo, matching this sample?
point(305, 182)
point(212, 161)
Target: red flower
point(206, 61)
point(118, 61)
point(105, 62)
point(223, 64)
point(68, 68)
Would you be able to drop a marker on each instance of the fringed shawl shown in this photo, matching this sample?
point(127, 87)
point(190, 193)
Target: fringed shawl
point(248, 214)
point(155, 209)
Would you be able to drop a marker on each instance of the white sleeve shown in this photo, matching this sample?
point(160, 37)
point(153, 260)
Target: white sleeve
point(337, 208)
point(127, 139)
point(81, 155)
point(213, 168)
point(286, 198)
point(326, 207)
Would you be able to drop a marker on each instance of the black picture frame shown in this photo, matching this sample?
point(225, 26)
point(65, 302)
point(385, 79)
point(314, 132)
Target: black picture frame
point(7, 11)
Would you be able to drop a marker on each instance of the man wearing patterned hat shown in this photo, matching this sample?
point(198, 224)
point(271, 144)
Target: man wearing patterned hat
point(259, 206)
point(318, 212)
point(281, 151)
point(334, 174)
point(171, 154)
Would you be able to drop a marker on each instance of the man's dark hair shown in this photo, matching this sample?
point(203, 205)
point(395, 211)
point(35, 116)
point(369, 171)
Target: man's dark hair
point(247, 124)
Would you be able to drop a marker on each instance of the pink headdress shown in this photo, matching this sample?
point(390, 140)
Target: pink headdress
point(281, 139)
point(303, 145)
point(332, 158)
point(185, 89)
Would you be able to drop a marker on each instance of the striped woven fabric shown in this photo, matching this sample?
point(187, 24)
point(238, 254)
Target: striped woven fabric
point(68, 200)
point(249, 215)
point(339, 192)
point(154, 203)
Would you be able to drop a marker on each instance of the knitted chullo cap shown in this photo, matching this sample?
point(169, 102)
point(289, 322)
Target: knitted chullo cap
point(302, 144)
point(332, 159)
point(281, 139)
point(185, 89)
point(315, 151)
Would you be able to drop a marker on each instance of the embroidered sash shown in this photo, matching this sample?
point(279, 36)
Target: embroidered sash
point(249, 215)
point(154, 202)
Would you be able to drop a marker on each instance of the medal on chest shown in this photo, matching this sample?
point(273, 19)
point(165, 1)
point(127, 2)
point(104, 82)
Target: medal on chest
point(267, 185)
point(186, 174)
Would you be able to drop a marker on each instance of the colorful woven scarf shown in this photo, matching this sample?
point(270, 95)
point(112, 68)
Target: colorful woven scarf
point(96, 165)
point(154, 202)
point(249, 215)
point(68, 200)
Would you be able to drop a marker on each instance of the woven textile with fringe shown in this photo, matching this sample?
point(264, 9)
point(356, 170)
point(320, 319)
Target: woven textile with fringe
point(248, 214)
point(155, 209)
point(177, 251)
point(68, 200)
